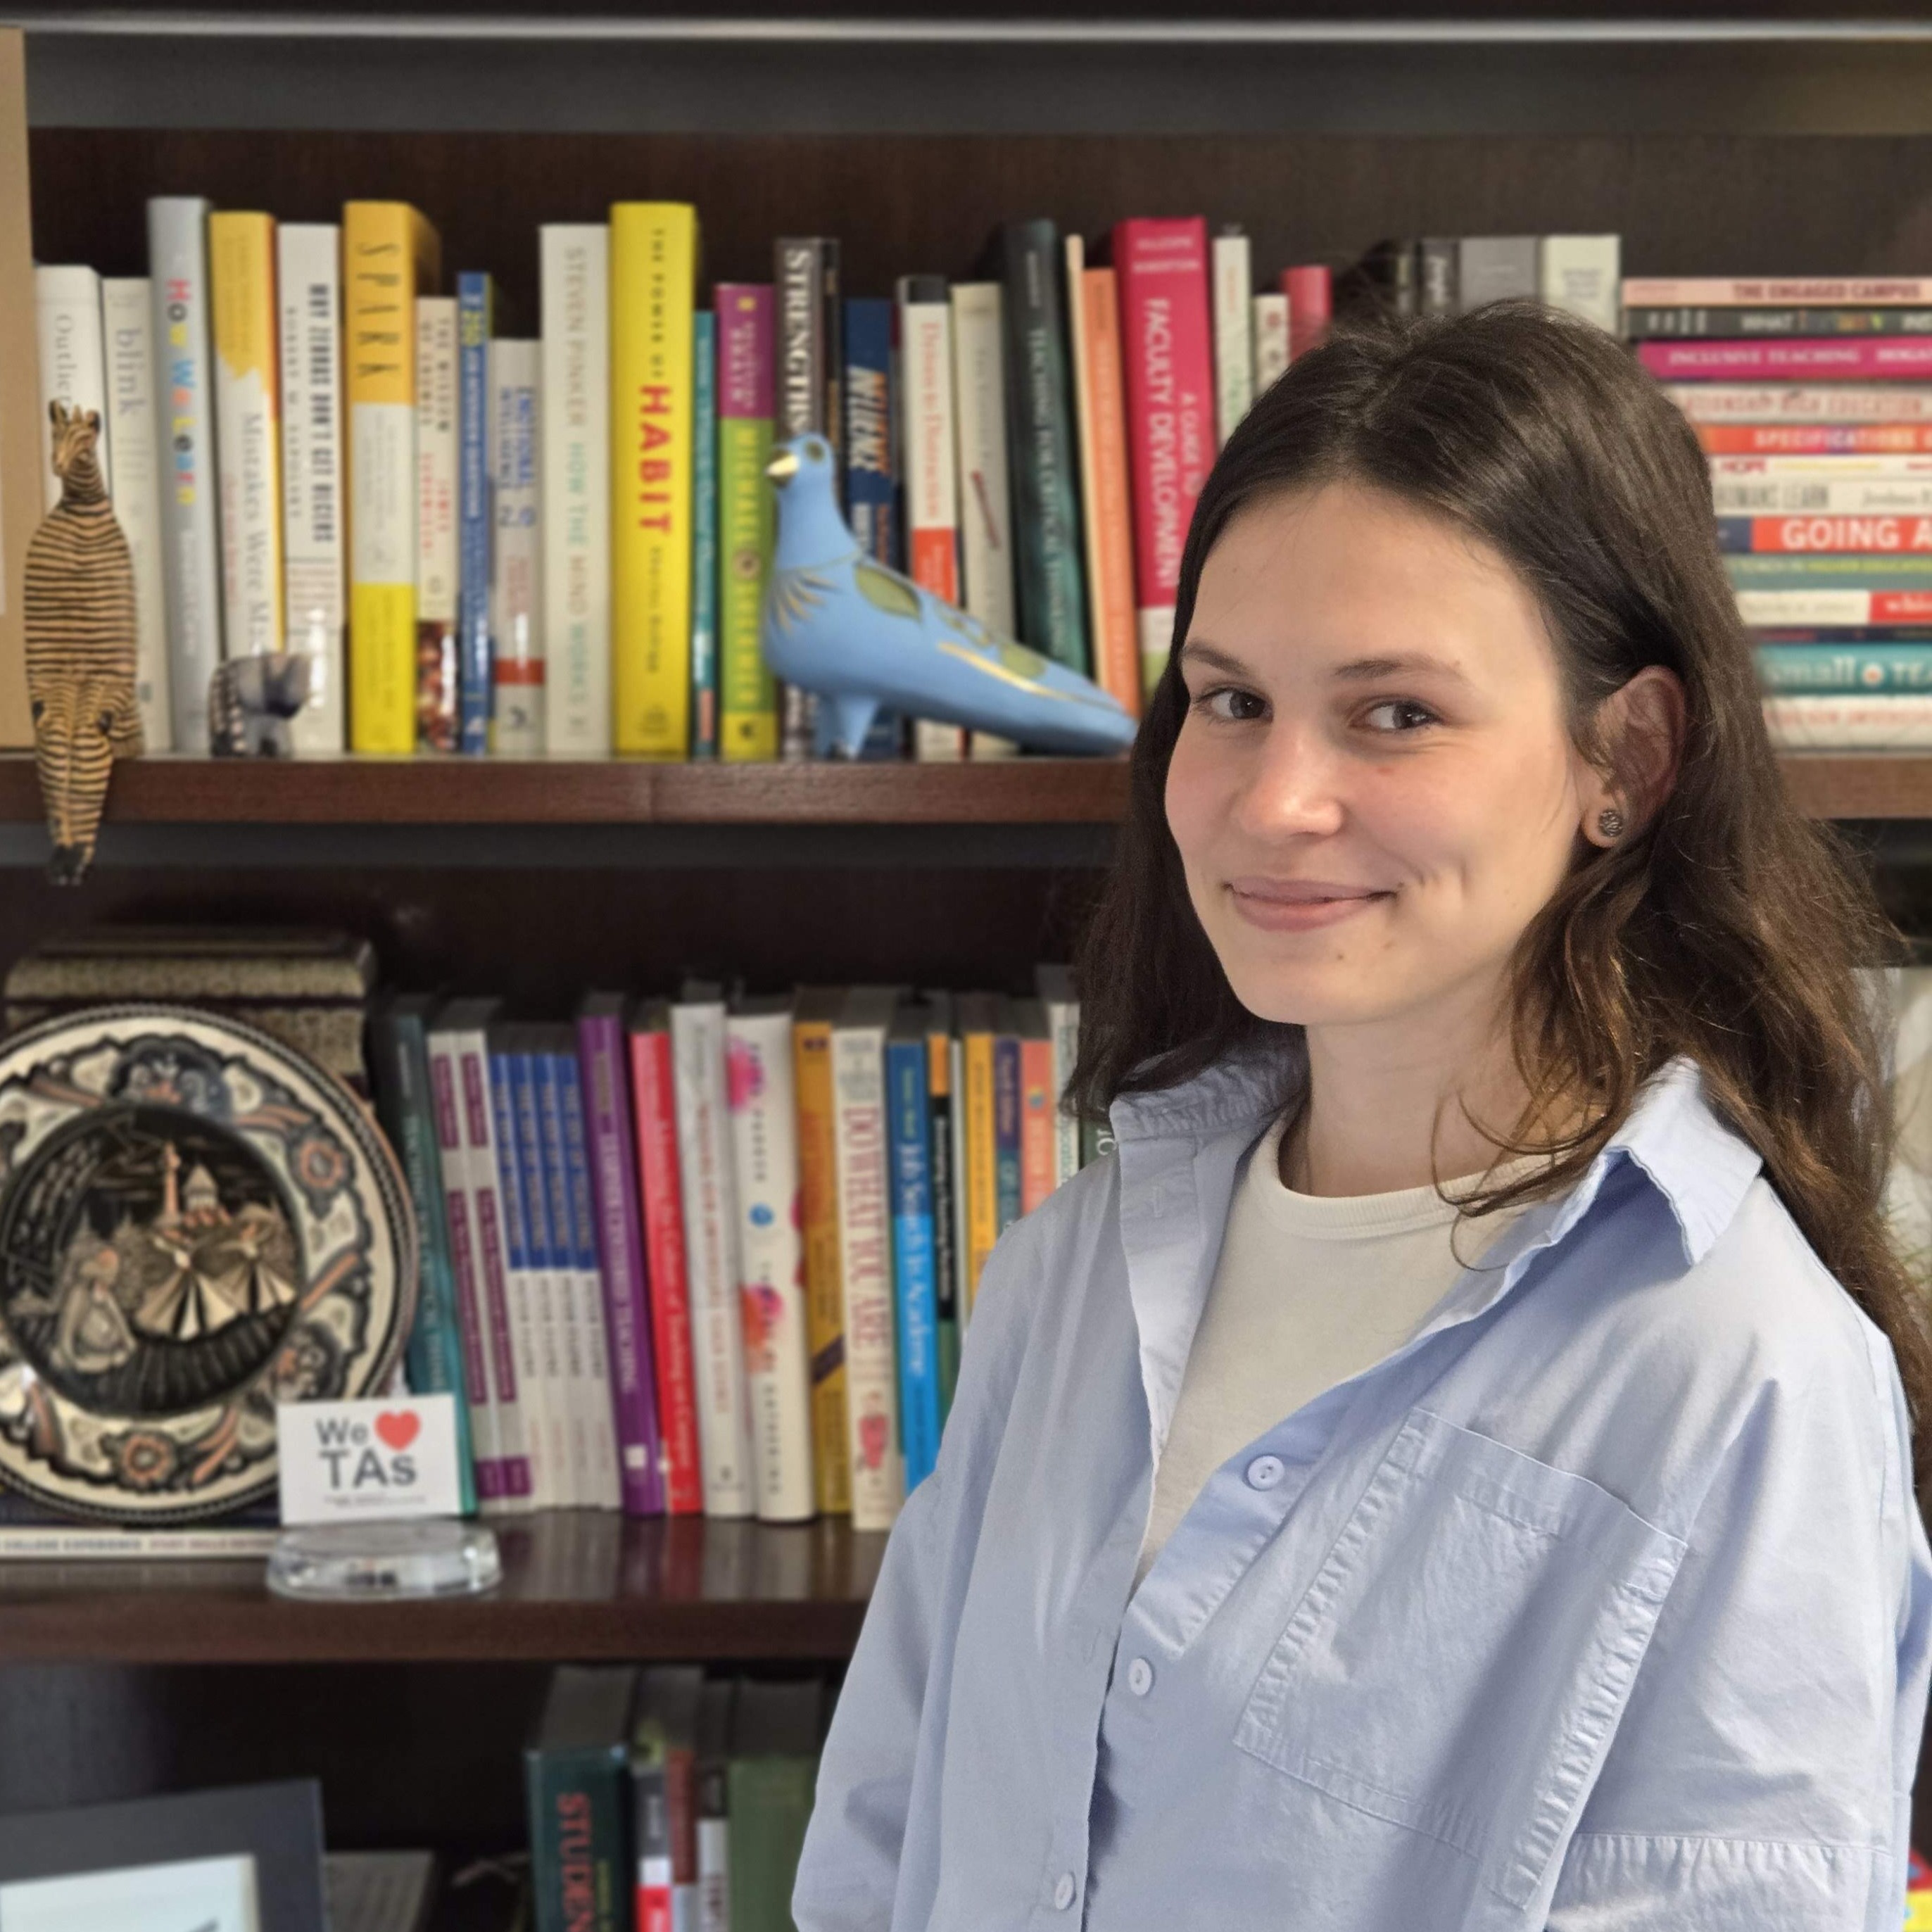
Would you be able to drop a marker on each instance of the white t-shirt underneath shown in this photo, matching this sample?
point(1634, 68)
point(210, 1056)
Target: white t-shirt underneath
point(1309, 1290)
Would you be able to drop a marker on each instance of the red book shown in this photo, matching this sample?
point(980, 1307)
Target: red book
point(1310, 290)
point(1816, 438)
point(1036, 1114)
point(655, 1103)
point(1834, 357)
point(1875, 536)
point(1167, 357)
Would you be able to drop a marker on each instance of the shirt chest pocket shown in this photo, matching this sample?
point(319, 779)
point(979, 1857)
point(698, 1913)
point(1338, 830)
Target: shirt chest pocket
point(1460, 1662)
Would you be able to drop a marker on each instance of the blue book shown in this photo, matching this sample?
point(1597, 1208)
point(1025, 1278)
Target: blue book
point(915, 1271)
point(704, 536)
point(540, 1236)
point(1845, 670)
point(1006, 1120)
point(475, 320)
point(521, 1282)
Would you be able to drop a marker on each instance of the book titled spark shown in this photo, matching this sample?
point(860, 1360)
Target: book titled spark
point(390, 255)
point(248, 442)
point(748, 727)
point(653, 283)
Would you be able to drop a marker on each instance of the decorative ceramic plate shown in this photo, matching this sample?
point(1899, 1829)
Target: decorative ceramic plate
point(196, 1223)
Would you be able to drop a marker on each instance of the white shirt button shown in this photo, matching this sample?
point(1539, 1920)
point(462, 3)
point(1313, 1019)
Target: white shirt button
point(1063, 1889)
point(1140, 1677)
point(1264, 1471)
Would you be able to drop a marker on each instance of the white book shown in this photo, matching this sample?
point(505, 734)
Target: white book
point(461, 1033)
point(191, 558)
point(771, 1257)
point(575, 266)
point(710, 1226)
point(248, 435)
point(1802, 402)
point(127, 333)
point(1583, 274)
point(1232, 277)
point(73, 363)
point(308, 285)
point(865, 1255)
point(928, 464)
point(1894, 722)
point(984, 497)
point(1785, 609)
point(1055, 985)
point(438, 707)
point(1905, 497)
point(516, 594)
point(1271, 317)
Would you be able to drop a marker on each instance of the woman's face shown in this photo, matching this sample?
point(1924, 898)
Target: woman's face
point(1374, 790)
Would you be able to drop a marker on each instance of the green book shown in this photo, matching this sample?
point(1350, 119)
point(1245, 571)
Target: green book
point(576, 1793)
point(748, 726)
point(768, 1782)
point(704, 537)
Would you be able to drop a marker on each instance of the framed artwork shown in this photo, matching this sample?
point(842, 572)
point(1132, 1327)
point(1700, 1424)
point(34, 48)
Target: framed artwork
point(246, 1858)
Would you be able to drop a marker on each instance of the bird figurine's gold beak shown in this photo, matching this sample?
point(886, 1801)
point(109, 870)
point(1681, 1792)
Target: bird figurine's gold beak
point(783, 467)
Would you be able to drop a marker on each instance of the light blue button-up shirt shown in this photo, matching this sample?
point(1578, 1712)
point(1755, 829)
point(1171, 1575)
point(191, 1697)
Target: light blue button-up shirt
point(1601, 1605)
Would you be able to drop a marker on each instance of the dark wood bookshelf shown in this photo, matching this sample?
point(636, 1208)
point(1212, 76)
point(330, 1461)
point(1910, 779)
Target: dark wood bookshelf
point(577, 1585)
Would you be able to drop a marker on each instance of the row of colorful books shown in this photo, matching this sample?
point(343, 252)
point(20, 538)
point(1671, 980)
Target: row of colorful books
point(1813, 400)
point(712, 1254)
point(662, 1799)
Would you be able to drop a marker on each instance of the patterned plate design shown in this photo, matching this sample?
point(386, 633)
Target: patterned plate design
point(195, 1223)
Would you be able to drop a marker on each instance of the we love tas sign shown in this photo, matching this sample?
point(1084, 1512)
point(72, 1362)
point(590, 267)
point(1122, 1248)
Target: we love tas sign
point(385, 1460)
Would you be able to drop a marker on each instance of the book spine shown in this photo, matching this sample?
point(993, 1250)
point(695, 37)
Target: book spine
point(1771, 570)
point(191, 572)
point(128, 336)
point(1106, 494)
point(527, 1338)
point(1879, 535)
point(655, 1897)
point(1851, 500)
point(653, 1085)
point(308, 269)
point(1271, 340)
point(985, 519)
point(1640, 324)
point(764, 1142)
point(475, 304)
point(248, 440)
point(1006, 1187)
point(1815, 438)
point(704, 691)
point(1582, 275)
point(1834, 607)
point(1233, 282)
point(943, 1130)
point(1161, 267)
point(613, 1170)
point(1843, 359)
point(1844, 671)
point(439, 677)
point(932, 519)
point(516, 594)
point(580, 1879)
point(653, 289)
point(1063, 1022)
point(748, 726)
point(982, 1183)
point(1310, 290)
point(1842, 404)
point(909, 1130)
point(805, 277)
point(710, 1226)
point(575, 274)
point(540, 1161)
point(1812, 292)
point(73, 362)
point(1438, 289)
point(503, 1299)
point(1037, 1152)
point(1046, 519)
point(871, 476)
point(864, 1236)
point(466, 1270)
point(824, 1280)
point(380, 242)
point(434, 1360)
point(1893, 722)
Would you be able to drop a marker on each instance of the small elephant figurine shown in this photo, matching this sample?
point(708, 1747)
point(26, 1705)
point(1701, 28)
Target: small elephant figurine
point(251, 701)
point(79, 614)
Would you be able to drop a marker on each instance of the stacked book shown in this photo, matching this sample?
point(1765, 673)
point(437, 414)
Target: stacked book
point(560, 543)
point(1813, 400)
point(715, 1254)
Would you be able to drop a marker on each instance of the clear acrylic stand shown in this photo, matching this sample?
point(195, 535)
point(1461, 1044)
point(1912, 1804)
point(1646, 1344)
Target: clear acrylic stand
point(378, 1562)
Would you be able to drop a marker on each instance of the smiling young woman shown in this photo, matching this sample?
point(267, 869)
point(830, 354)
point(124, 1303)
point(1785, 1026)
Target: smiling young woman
point(1453, 1466)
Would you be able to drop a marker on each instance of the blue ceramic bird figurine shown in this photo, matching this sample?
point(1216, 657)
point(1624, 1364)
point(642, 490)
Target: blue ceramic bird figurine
point(861, 636)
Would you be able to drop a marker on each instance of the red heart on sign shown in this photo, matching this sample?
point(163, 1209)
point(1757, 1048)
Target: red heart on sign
point(397, 1427)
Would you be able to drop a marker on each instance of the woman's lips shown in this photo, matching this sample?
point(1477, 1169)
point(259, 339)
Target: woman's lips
point(1300, 905)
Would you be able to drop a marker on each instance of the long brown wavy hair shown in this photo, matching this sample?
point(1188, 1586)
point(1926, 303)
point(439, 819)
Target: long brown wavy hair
point(1728, 927)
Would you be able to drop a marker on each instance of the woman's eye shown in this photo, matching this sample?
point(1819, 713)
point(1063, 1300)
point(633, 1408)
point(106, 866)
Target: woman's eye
point(1231, 705)
point(1398, 714)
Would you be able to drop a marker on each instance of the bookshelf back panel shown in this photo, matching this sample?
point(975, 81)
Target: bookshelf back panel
point(1684, 205)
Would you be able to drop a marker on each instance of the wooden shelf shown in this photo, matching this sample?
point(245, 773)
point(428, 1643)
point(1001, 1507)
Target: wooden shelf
point(576, 1584)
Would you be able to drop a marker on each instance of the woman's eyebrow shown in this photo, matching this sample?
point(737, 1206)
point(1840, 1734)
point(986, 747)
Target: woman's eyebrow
point(1368, 670)
point(1197, 651)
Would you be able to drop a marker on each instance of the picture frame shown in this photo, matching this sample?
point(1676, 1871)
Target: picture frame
point(247, 1856)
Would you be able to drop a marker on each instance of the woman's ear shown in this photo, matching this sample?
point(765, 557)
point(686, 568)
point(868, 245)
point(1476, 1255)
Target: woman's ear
point(1640, 729)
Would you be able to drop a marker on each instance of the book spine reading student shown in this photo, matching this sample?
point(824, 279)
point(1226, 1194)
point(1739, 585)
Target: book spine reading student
point(1453, 1466)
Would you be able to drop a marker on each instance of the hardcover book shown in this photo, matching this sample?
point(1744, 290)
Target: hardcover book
point(577, 1789)
point(929, 443)
point(979, 387)
point(127, 332)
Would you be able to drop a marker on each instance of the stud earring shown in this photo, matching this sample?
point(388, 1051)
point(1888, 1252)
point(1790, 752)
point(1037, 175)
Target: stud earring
point(1610, 823)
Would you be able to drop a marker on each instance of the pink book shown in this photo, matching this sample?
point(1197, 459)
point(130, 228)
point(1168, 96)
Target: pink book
point(1778, 292)
point(1848, 357)
point(1167, 356)
point(1310, 290)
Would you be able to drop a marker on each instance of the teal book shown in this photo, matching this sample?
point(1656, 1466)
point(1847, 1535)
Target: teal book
point(576, 1793)
point(445, 1342)
point(704, 536)
point(1845, 670)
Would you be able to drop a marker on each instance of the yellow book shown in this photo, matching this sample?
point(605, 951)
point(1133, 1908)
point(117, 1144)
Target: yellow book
point(390, 255)
point(818, 1215)
point(653, 295)
point(978, 1024)
point(247, 428)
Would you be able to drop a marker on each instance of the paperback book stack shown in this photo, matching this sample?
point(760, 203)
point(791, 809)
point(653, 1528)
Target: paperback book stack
point(1813, 399)
point(716, 1254)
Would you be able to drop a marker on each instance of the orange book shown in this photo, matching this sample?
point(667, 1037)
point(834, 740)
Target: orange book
point(1037, 1108)
point(818, 1215)
point(1100, 411)
point(978, 1023)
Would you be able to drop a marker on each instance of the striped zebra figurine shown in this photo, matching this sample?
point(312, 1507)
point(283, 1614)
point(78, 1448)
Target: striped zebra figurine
point(79, 619)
